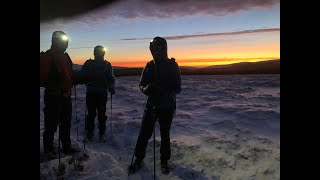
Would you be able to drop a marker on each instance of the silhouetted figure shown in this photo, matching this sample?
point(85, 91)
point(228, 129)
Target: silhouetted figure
point(56, 77)
point(161, 82)
point(100, 78)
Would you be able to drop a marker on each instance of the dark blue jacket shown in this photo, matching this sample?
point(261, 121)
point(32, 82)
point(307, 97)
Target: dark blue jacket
point(165, 78)
point(99, 76)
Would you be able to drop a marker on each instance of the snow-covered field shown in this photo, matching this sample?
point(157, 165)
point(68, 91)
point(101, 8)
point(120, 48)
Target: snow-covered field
point(226, 127)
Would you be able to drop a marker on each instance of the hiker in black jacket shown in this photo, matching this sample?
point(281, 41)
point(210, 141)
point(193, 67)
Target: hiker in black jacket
point(161, 82)
point(99, 77)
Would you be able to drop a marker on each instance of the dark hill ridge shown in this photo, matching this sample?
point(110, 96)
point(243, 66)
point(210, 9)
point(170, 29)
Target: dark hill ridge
point(261, 67)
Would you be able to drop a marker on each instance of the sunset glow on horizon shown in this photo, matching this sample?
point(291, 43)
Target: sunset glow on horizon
point(187, 62)
point(198, 38)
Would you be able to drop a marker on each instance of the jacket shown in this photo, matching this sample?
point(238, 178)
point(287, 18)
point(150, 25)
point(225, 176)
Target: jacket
point(161, 82)
point(99, 75)
point(55, 71)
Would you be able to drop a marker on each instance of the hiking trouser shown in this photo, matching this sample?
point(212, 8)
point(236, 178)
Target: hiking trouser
point(58, 108)
point(164, 117)
point(96, 102)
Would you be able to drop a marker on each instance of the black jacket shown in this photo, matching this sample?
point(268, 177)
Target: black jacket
point(161, 82)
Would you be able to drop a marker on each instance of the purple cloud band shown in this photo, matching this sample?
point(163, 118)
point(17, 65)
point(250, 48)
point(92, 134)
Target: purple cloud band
point(210, 34)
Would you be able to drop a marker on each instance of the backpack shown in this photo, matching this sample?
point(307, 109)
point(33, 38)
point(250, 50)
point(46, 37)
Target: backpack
point(52, 65)
point(54, 72)
point(99, 82)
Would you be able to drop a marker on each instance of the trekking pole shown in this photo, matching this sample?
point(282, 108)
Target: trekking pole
point(75, 104)
point(111, 117)
point(59, 142)
point(154, 143)
point(131, 161)
point(85, 124)
point(134, 152)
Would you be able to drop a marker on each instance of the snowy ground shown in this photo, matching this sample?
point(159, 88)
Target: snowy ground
point(226, 127)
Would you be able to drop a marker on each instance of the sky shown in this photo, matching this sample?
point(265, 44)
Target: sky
point(198, 33)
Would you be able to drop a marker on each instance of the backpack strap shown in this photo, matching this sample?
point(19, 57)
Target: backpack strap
point(69, 58)
point(90, 67)
point(52, 62)
point(155, 71)
point(53, 66)
point(106, 65)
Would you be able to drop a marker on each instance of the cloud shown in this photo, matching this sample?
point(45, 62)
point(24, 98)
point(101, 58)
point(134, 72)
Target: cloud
point(167, 9)
point(131, 9)
point(52, 9)
point(81, 47)
point(210, 34)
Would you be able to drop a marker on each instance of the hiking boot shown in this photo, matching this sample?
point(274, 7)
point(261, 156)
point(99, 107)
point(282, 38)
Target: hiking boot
point(165, 169)
point(102, 139)
point(70, 150)
point(135, 166)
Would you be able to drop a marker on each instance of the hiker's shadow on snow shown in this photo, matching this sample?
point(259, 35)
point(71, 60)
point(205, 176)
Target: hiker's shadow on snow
point(189, 173)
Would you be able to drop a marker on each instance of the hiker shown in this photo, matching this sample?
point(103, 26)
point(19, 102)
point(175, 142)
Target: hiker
point(161, 82)
point(56, 78)
point(99, 79)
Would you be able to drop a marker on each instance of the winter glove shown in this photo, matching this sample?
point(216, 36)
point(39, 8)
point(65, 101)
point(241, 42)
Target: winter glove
point(151, 89)
point(147, 90)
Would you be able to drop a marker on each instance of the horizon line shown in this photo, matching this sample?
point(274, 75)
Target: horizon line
point(201, 66)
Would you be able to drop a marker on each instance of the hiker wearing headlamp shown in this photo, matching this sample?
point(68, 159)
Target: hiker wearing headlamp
point(56, 78)
point(161, 82)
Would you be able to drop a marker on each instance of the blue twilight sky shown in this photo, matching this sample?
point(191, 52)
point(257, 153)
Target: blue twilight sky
point(199, 33)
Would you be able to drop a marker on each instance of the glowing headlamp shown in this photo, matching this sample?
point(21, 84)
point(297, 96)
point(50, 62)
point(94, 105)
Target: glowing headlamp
point(64, 38)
